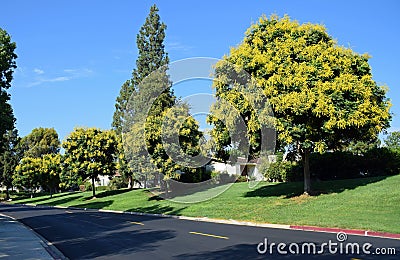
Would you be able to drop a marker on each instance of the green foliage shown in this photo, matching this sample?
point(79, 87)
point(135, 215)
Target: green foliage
point(50, 171)
point(88, 186)
point(90, 152)
point(346, 165)
point(241, 179)
point(392, 141)
point(27, 174)
point(117, 183)
point(146, 147)
point(9, 159)
point(39, 142)
point(323, 95)
point(282, 171)
point(7, 67)
point(362, 147)
point(32, 173)
point(381, 161)
point(150, 43)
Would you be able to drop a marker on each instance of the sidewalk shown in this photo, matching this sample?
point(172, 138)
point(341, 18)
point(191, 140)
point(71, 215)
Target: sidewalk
point(19, 242)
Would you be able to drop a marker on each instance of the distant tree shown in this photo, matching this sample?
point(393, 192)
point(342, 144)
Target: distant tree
point(27, 174)
point(90, 152)
point(7, 67)
point(362, 147)
point(39, 142)
point(392, 141)
point(322, 95)
point(9, 159)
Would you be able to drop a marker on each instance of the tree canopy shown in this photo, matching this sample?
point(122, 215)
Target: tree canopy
point(392, 141)
point(150, 43)
point(322, 94)
point(90, 152)
point(7, 67)
point(9, 159)
point(146, 100)
point(39, 142)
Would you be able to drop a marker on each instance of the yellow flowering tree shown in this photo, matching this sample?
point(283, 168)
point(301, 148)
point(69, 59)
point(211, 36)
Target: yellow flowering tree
point(90, 152)
point(322, 94)
point(50, 171)
point(27, 174)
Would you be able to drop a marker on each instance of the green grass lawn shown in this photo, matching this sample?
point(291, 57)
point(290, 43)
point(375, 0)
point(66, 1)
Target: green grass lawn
point(368, 203)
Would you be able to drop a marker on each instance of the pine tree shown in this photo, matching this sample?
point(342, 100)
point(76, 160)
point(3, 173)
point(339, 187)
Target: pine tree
point(142, 128)
point(150, 43)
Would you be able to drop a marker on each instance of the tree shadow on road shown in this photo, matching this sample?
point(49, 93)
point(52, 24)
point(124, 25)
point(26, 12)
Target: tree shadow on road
point(87, 235)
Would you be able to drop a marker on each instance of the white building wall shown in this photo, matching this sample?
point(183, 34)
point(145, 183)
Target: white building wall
point(222, 167)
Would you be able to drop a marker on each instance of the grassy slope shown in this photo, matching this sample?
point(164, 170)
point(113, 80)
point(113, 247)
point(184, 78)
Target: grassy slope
point(371, 203)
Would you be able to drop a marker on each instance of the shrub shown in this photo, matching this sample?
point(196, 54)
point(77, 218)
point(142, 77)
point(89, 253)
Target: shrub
point(101, 188)
point(283, 171)
point(345, 165)
point(241, 179)
point(199, 175)
point(88, 186)
point(117, 183)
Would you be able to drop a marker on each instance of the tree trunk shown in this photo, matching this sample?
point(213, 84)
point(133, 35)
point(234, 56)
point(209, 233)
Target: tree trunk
point(7, 193)
point(306, 166)
point(130, 182)
point(93, 188)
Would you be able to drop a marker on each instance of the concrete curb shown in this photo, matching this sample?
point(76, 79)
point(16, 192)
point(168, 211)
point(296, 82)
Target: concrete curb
point(355, 232)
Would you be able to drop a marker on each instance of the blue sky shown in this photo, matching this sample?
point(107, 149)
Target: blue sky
point(75, 55)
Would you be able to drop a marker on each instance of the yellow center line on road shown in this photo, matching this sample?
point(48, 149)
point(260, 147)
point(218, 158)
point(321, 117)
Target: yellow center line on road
point(136, 223)
point(69, 212)
point(207, 235)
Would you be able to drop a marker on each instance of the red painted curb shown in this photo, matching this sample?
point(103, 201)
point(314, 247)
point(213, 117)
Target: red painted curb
point(347, 231)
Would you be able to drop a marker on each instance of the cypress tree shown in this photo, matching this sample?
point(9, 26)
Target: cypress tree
point(152, 56)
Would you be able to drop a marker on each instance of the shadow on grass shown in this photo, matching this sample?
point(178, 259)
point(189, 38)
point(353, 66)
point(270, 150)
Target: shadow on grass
point(156, 198)
point(158, 209)
point(103, 194)
point(96, 204)
point(293, 189)
point(42, 197)
point(196, 191)
point(64, 200)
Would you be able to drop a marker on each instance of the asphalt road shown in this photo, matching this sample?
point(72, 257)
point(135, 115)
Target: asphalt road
point(80, 234)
